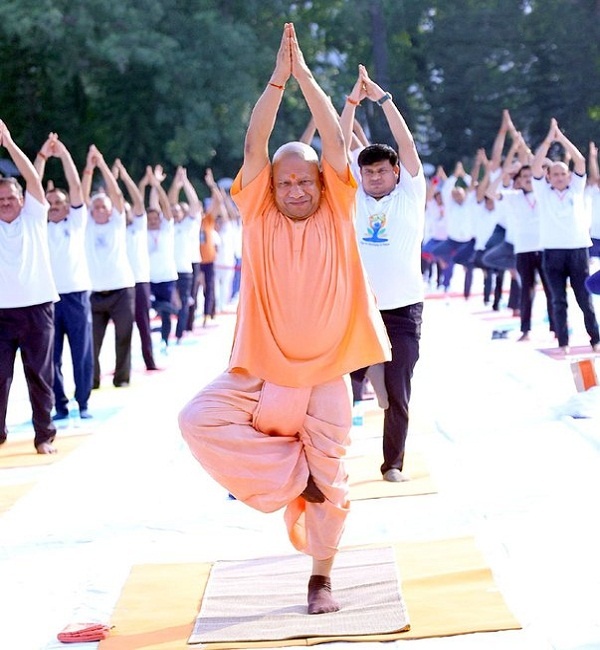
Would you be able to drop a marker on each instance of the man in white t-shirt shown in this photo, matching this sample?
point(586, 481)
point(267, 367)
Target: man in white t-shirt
point(27, 294)
point(67, 219)
point(390, 221)
point(113, 282)
point(565, 234)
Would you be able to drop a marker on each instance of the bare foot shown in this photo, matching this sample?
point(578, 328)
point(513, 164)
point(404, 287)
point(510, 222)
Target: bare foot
point(311, 493)
point(524, 337)
point(320, 600)
point(46, 448)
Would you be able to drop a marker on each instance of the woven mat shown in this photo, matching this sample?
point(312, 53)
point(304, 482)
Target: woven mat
point(446, 585)
point(244, 600)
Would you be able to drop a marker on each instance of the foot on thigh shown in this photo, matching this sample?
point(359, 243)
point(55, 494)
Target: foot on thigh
point(320, 600)
point(311, 493)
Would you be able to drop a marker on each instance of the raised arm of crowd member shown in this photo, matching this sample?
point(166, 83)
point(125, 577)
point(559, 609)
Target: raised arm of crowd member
point(180, 183)
point(309, 132)
point(54, 147)
point(135, 196)
point(217, 200)
point(556, 135)
point(366, 87)
point(155, 179)
point(96, 160)
point(33, 182)
point(506, 127)
point(593, 170)
point(482, 186)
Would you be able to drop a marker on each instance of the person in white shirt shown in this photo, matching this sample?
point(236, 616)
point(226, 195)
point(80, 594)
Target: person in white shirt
point(137, 254)
point(565, 234)
point(27, 294)
point(161, 250)
point(67, 221)
point(186, 217)
point(113, 282)
point(390, 221)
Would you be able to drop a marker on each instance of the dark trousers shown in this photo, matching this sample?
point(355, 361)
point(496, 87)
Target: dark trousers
point(560, 265)
point(184, 289)
point(529, 266)
point(403, 327)
point(142, 321)
point(162, 293)
point(30, 330)
point(208, 272)
point(73, 319)
point(452, 252)
point(119, 306)
point(196, 282)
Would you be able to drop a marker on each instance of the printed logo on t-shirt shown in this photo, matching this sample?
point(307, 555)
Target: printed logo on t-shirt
point(376, 229)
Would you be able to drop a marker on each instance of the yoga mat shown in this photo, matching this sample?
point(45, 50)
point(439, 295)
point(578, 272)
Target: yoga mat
point(243, 599)
point(447, 587)
point(10, 494)
point(581, 351)
point(366, 481)
point(22, 453)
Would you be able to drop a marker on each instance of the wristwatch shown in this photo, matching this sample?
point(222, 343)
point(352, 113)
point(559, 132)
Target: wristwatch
point(382, 100)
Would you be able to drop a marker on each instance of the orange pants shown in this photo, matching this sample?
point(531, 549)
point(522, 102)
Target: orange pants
point(261, 441)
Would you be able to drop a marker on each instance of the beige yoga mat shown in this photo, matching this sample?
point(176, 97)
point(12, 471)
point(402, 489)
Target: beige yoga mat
point(10, 494)
point(447, 587)
point(22, 453)
point(366, 481)
point(245, 598)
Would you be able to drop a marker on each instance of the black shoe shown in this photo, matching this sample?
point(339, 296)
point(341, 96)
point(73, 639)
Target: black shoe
point(60, 415)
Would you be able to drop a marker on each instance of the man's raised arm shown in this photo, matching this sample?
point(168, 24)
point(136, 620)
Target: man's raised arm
point(324, 114)
point(262, 120)
point(33, 182)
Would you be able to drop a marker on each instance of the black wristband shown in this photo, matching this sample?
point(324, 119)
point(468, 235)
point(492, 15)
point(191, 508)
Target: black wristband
point(382, 100)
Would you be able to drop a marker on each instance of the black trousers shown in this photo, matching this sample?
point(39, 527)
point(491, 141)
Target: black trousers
point(184, 289)
point(403, 327)
point(31, 331)
point(73, 319)
point(529, 266)
point(119, 306)
point(560, 265)
point(142, 321)
point(208, 272)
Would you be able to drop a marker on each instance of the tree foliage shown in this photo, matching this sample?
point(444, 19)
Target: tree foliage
point(174, 81)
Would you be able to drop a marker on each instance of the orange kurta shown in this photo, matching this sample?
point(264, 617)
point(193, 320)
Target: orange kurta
point(306, 314)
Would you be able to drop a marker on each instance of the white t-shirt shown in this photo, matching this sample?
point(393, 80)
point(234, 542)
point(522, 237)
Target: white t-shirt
point(137, 247)
point(484, 222)
point(66, 241)
point(592, 194)
point(436, 226)
point(106, 248)
point(565, 222)
point(187, 234)
point(161, 250)
point(25, 272)
point(226, 247)
point(524, 220)
point(389, 234)
point(459, 216)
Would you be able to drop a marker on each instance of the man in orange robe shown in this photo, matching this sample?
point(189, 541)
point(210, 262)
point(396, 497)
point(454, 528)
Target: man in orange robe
point(273, 429)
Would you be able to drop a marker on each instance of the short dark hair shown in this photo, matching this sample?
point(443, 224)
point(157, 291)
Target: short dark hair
point(375, 153)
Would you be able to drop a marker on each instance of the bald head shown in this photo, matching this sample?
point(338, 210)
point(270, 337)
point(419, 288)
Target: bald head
point(297, 149)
